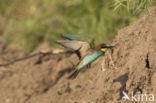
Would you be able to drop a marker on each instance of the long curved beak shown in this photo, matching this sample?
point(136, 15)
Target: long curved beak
point(110, 46)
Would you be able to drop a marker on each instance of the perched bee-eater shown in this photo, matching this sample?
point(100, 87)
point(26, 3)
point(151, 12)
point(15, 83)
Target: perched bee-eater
point(89, 58)
point(78, 43)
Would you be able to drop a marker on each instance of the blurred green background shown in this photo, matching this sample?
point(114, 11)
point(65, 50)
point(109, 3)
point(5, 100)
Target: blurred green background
point(30, 22)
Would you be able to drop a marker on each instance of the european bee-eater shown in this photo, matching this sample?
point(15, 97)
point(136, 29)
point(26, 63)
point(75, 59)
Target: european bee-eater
point(78, 43)
point(89, 58)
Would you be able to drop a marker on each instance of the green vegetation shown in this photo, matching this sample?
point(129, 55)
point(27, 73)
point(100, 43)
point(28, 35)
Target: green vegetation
point(30, 22)
point(134, 6)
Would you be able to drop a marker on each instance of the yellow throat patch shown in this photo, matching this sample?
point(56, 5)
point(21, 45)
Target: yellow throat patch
point(104, 50)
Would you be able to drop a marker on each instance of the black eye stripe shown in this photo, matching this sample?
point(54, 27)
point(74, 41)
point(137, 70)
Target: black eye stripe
point(108, 46)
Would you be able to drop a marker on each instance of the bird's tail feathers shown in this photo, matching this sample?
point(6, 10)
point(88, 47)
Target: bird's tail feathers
point(73, 75)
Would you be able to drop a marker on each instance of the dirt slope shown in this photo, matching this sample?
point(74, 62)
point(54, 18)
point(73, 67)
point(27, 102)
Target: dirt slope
point(130, 67)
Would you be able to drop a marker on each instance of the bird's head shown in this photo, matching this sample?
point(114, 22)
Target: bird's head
point(104, 47)
point(98, 47)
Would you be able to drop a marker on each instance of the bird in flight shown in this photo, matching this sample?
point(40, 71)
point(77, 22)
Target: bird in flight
point(89, 58)
point(85, 49)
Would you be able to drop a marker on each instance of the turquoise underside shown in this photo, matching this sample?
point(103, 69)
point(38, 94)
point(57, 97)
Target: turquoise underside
point(88, 59)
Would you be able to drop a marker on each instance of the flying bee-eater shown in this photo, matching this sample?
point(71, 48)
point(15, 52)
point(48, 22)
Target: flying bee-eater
point(89, 58)
point(78, 43)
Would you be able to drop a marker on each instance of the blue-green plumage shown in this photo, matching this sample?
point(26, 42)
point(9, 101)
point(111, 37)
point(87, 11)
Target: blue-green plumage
point(80, 37)
point(85, 61)
point(88, 59)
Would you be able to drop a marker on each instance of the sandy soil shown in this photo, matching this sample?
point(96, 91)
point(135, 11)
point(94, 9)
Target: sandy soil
point(130, 67)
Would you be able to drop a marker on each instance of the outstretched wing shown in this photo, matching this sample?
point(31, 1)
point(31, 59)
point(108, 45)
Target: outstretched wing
point(72, 45)
point(77, 43)
point(80, 37)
